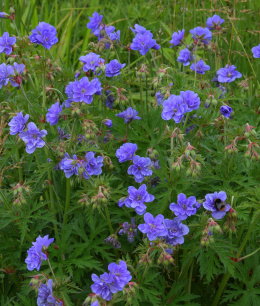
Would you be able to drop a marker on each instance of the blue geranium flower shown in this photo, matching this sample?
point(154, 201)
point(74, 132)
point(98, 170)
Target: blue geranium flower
point(126, 152)
point(140, 168)
point(44, 34)
point(53, 113)
point(201, 67)
point(6, 43)
point(177, 38)
point(17, 124)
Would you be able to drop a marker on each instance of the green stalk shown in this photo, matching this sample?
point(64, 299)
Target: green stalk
point(195, 66)
point(141, 98)
point(52, 272)
point(108, 220)
point(67, 204)
point(19, 169)
point(43, 84)
point(227, 275)
point(72, 136)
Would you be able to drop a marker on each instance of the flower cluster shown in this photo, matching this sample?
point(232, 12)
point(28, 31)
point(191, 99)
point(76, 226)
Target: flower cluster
point(87, 167)
point(102, 31)
point(44, 34)
point(143, 41)
point(32, 136)
point(36, 254)
point(12, 74)
point(129, 229)
point(111, 282)
point(82, 90)
point(175, 231)
point(176, 106)
point(45, 295)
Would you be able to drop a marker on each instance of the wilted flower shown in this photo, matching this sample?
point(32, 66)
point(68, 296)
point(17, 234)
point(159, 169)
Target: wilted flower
point(6, 43)
point(137, 197)
point(53, 114)
point(44, 34)
point(256, 51)
point(113, 282)
point(95, 22)
point(109, 99)
point(33, 138)
point(215, 202)
point(129, 229)
point(126, 152)
point(140, 168)
point(226, 111)
point(214, 22)
point(159, 97)
point(177, 38)
point(143, 41)
point(174, 108)
point(185, 57)
point(228, 74)
point(129, 115)
point(17, 124)
point(153, 226)
point(113, 240)
point(201, 67)
point(102, 286)
point(200, 34)
point(113, 68)
point(184, 207)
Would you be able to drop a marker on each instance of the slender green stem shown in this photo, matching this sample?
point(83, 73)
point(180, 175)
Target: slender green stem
point(227, 275)
point(72, 136)
point(43, 83)
point(225, 136)
point(141, 98)
point(108, 220)
point(20, 168)
point(186, 120)
point(67, 204)
point(195, 66)
point(15, 26)
point(53, 274)
point(26, 98)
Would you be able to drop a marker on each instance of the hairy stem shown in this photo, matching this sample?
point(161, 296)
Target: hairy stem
point(20, 171)
point(141, 98)
point(67, 204)
point(108, 220)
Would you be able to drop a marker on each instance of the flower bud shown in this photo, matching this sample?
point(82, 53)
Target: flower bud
point(247, 134)
point(214, 102)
